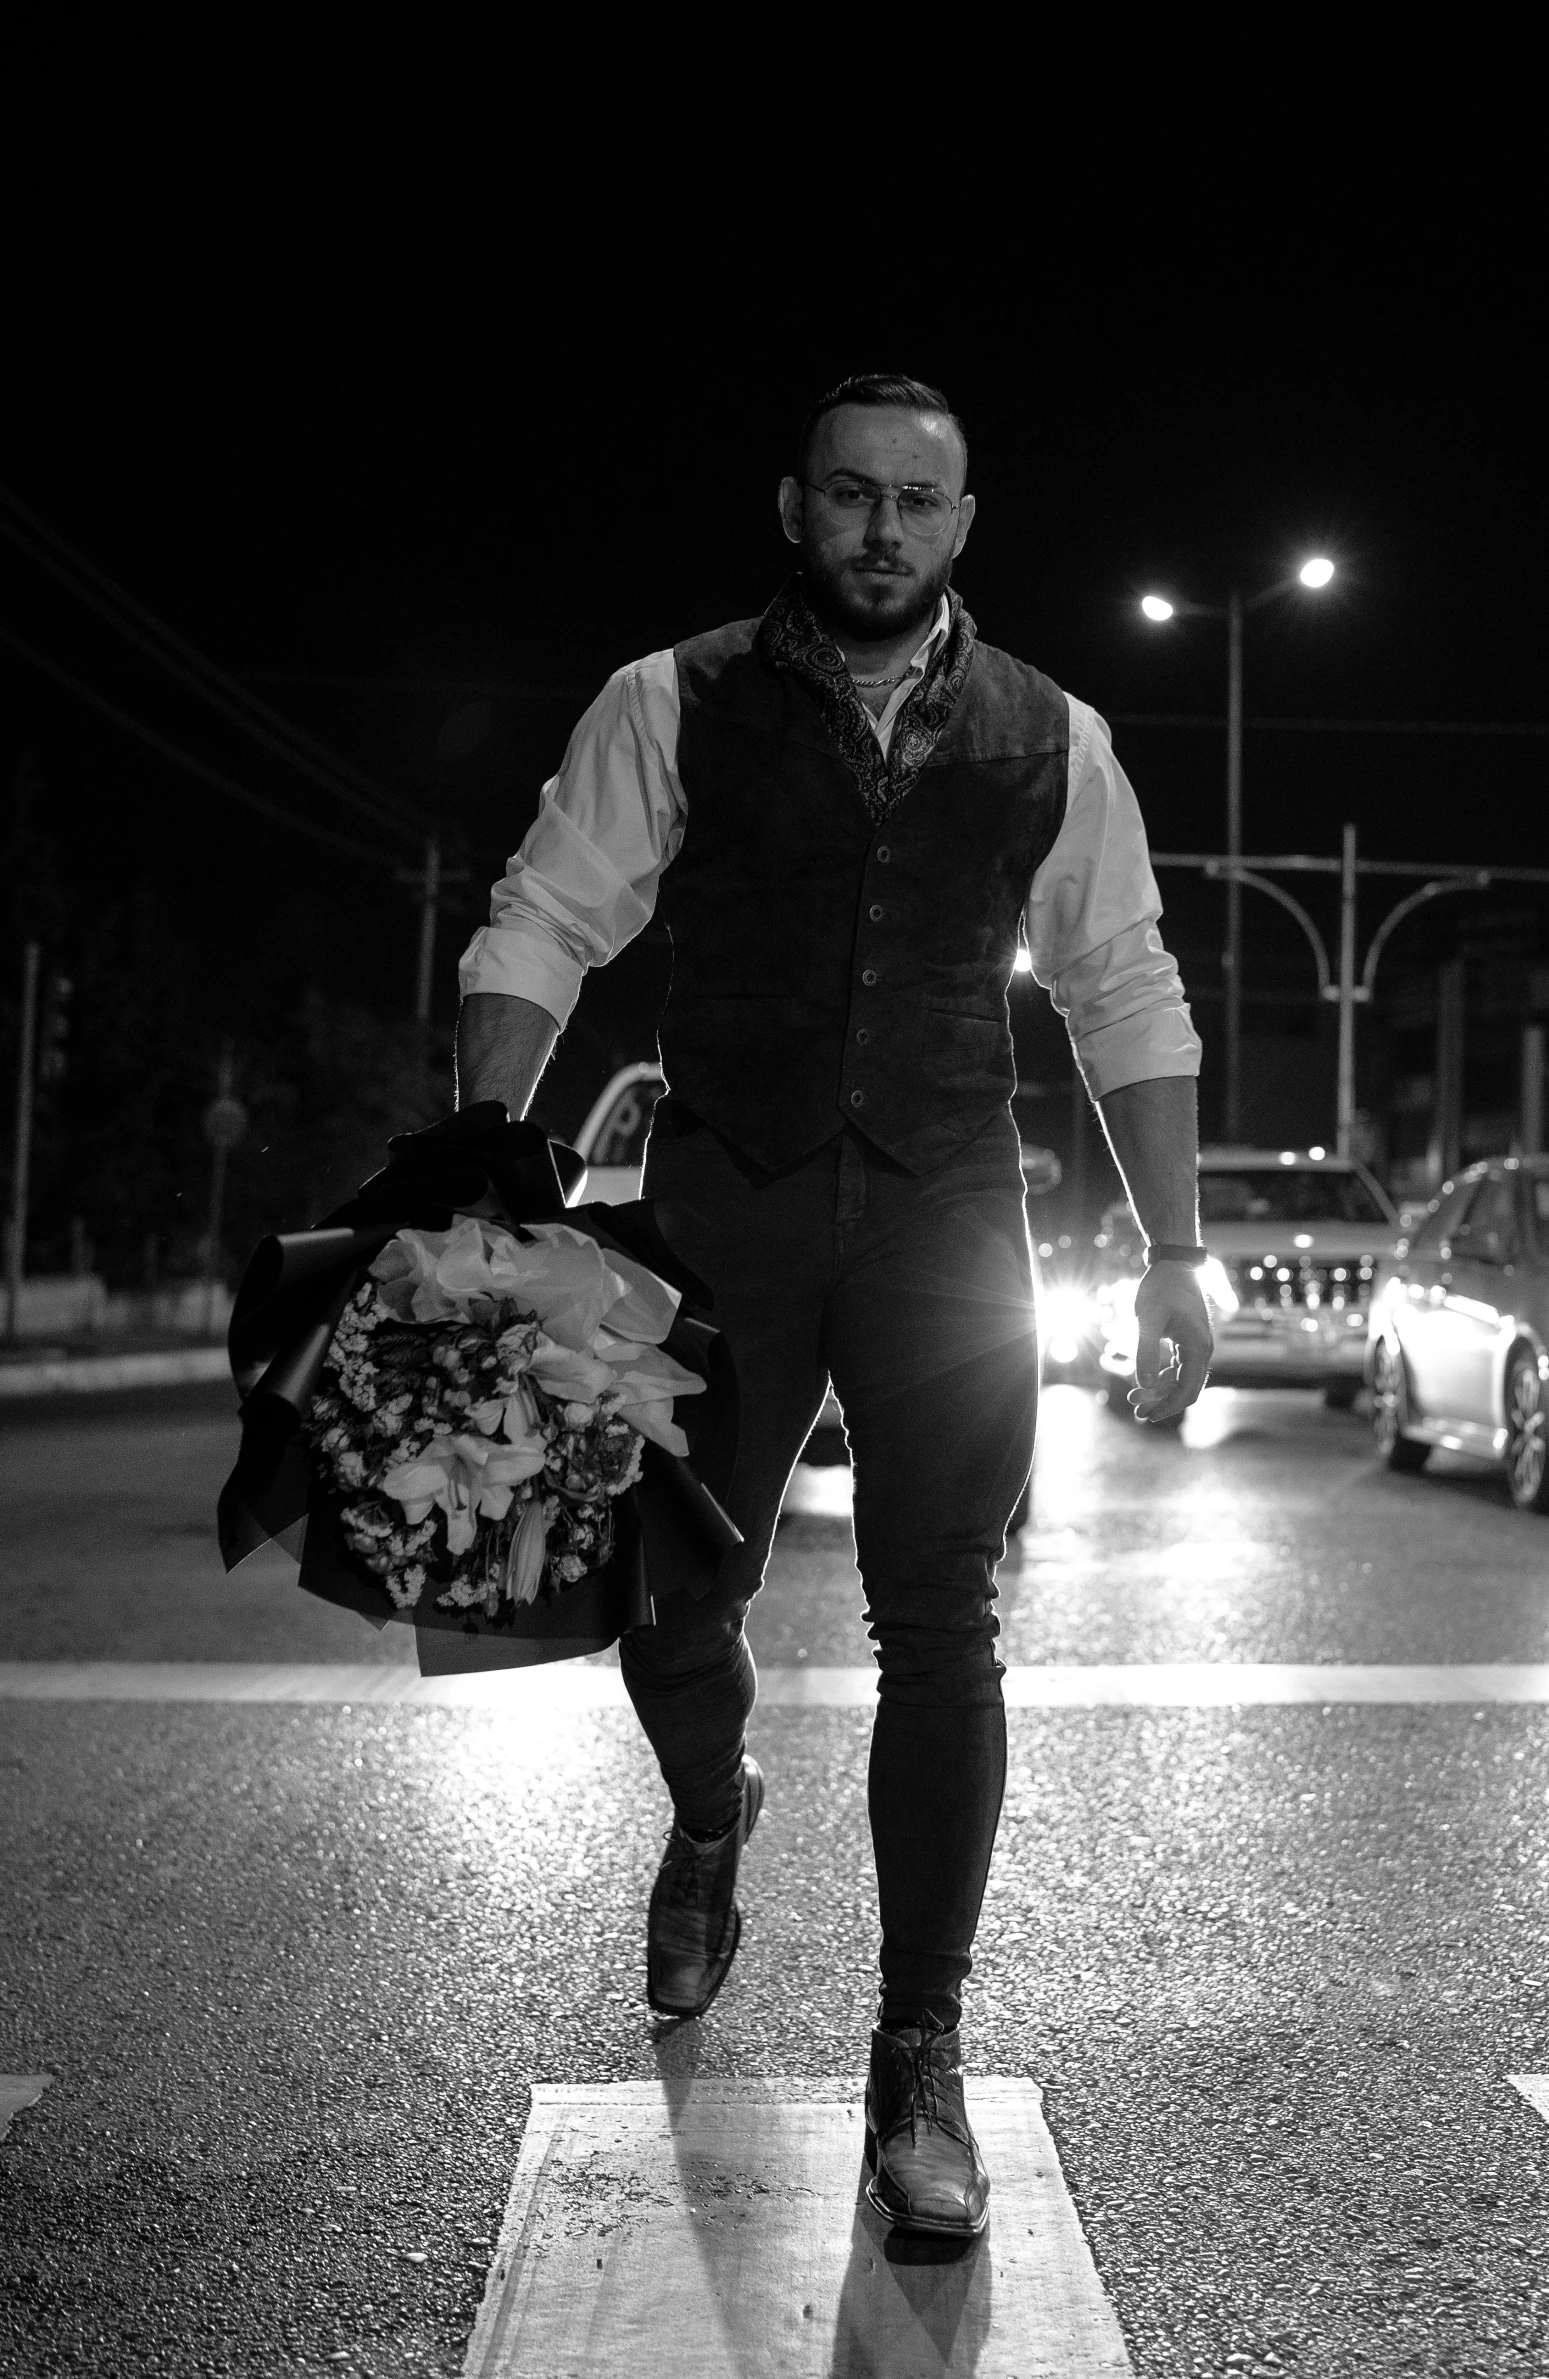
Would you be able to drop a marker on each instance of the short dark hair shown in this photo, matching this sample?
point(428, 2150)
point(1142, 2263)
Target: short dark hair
point(878, 388)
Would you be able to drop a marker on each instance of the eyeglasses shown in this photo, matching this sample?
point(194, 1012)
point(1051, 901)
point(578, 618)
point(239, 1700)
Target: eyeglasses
point(923, 512)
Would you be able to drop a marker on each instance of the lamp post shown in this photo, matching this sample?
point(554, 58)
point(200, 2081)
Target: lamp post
point(1314, 575)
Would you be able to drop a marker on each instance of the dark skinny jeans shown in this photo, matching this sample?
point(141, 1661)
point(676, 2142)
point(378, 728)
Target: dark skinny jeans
point(914, 1293)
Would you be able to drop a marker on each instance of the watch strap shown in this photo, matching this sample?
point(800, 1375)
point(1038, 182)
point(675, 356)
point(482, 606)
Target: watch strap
point(1162, 1251)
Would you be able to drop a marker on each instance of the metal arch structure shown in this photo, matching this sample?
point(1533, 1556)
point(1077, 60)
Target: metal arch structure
point(1346, 993)
point(1227, 870)
point(1478, 882)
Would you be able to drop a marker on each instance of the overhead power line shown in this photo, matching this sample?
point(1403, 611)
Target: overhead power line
point(1207, 718)
point(189, 760)
point(502, 690)
point(464, 688)
point(183, 661)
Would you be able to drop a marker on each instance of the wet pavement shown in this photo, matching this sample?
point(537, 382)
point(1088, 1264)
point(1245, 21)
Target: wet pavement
point(294, 1970)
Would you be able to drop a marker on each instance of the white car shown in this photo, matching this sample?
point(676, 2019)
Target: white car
point(1460, 1329)
point(613, 1137)
point(1296, 1238)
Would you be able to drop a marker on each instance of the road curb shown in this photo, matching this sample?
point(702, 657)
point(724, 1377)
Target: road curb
point(92, 1374)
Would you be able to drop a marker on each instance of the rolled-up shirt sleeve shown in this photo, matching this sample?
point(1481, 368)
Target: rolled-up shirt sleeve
point(584, 880)
point(1092, 928)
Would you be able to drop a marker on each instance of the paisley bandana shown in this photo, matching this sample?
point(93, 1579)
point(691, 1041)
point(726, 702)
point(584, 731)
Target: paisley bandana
point(792, 639)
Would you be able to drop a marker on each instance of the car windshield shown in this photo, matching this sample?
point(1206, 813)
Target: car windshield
point(1286, 1194)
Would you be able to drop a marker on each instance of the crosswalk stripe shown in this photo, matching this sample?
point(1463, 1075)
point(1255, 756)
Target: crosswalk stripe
point(18, 2090)
point(689, 2229)
point(1534, 2088)
point(587, 1686)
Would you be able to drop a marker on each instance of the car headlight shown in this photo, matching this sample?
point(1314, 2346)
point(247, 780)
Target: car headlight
point(1068, 1310)
point(1218, 1291)
point(1068, 1313)
point(1120, 1331)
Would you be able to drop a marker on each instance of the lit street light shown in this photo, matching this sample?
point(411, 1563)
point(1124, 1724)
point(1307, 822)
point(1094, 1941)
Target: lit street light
point(1315, 573)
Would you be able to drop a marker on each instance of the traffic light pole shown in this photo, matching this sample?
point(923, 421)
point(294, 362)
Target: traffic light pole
point(21, 1161)
point(1233, 956)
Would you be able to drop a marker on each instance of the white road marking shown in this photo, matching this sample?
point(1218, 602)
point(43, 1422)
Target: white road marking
point(569, 1685)
point(18, 2090)
point(1209, 1684)
point(85, 1375)
point(1534, 2088)
point(720, 2230)
point(821, 1491)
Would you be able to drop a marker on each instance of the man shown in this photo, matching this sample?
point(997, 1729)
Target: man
point(848, 811)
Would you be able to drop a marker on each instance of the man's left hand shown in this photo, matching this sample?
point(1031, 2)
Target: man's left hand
point(1173, 1322)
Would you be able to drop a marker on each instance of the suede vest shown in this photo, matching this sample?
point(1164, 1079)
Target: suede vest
point(832, 968)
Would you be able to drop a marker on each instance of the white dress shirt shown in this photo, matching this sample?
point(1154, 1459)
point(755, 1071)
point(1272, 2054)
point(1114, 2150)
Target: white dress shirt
point(584, 881)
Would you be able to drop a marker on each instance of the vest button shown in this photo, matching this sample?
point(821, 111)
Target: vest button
point(884, 854)
point(863, 1034)
point(875, 912)
point(857, 1098)
point(869, 975)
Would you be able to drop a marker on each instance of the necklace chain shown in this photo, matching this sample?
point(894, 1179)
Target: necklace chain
point(881, 681)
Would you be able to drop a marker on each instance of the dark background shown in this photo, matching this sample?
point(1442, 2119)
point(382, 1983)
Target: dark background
point(424, 485)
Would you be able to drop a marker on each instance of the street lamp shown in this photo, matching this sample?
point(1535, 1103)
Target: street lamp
point(1314, 574)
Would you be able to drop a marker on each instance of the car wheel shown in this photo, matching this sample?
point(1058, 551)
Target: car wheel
point(1340, 1394)
point(1390, 1410)
point(1527, 1445)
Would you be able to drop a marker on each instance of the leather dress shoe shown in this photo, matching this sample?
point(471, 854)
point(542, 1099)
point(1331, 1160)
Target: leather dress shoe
point(926, 2170)
point(695, 1924)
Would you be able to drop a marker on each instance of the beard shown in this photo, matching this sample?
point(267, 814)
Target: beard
point(874, 605)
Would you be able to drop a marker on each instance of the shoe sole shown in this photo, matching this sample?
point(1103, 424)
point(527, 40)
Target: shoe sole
point(919, 2224)
point(685, 2015)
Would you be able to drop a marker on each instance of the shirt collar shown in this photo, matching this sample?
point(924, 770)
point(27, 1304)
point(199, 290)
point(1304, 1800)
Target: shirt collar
point(935, 637)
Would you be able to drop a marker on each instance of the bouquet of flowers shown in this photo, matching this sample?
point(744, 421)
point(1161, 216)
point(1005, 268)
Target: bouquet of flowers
point(470, 1405)
point(483, 1402)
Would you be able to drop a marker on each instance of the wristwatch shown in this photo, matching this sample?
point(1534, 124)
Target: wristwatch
point(1162, 1251)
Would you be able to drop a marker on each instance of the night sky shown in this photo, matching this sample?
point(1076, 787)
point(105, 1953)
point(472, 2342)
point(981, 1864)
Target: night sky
point(424, 492)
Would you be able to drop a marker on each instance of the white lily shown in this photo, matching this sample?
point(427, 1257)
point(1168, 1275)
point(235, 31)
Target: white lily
point(466, 1477)
point(529, 1549)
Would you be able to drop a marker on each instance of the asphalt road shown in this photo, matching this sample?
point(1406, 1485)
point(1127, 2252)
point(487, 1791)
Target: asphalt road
point(294, 1970)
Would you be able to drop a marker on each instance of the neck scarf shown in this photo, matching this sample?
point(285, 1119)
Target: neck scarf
point(793, 639)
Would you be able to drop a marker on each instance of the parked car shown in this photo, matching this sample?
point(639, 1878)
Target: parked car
point(613, 1137)
point(1460, 1329)
point(1296, 1237)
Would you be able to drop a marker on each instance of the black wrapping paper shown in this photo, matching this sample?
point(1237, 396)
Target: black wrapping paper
point(671, 1531)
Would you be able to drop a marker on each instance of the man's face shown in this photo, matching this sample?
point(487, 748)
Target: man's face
point(872, 574)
